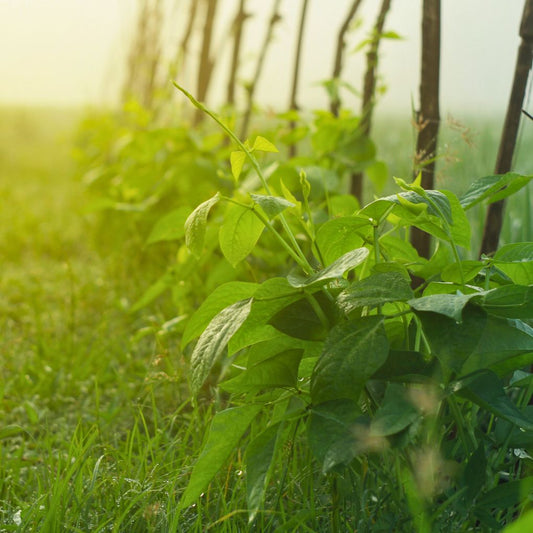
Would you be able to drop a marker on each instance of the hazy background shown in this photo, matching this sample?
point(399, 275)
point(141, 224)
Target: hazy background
point(71, 52)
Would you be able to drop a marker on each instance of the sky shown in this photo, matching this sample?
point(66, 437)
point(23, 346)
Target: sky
point(71, 52)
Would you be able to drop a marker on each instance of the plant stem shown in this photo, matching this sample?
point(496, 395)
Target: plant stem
point(303, 262)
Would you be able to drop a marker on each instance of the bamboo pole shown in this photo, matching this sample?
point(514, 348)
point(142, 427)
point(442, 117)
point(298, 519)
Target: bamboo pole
point(369, 92)
point(428, 119)
point(494, 217)
point(335, 102)
point(293, 105)
point(274, 19)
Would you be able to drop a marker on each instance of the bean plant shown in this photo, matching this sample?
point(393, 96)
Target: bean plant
point(407, 378)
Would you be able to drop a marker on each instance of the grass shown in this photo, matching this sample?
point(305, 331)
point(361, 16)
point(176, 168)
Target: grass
point(97, 431)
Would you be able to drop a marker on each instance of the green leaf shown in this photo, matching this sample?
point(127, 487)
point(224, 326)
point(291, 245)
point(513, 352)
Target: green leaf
point(271, 205)
point(501, 346)
point(338, 236)
point(195, 225)
point(237, 160)
point(344, 263)
point(272, 296)
point(300, 320)
point(475, 473)
point(375, 290)
point(507, 495)
point(280, 370)
point(225, 432)
point(405, 366)
point(470, 270)
point(493, 187)
point(486, 390)
point(171, 227)
point(395, 413)
point(221, 297)
point(510, 301)
point(524, 524)
point(214, 339)
point(450, 305)
point(521, 252)
point(516, 261)
point(239, 233)
point(342, 205)
point(352, 353)
point(460, 228)
point(259, 457)
point(451, 342)
point(263, 145)
point(337, 433)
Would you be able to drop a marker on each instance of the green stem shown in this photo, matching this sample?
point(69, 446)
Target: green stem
point(318, 310)
point(308, 268)
point(460, 423)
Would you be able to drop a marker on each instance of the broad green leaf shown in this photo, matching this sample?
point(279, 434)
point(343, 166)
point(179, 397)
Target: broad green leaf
point(451, 342)
point(272, 296)
point(281, 370)
point(475, 473)
point(259, 457)
point(221, 297)
point(378, 209)
point(516, 261)
point(450, 305)
point(460, 227)
point(195, 225)
point(337, 433)
point(520, 252)
point(225, 432)
point(353, 351)
point(494, 188)
point(375, 290)
point(237, 160)
point(344, 263)
point(470, 270)
point(271, 205)
point(510, 301)
point(405, 366)
point(342, 205)
point(437, 203)
point(300, 320)
point(486, 390)
point(338, 236)
point(263, 145)
point(171, 227)
point(507, 495)
point(239, 233)
point(214, 339)
point(524, 524)
point(501, 346)
point(394, 414)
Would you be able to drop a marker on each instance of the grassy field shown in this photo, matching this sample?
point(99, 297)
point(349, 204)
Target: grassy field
point(97, 431)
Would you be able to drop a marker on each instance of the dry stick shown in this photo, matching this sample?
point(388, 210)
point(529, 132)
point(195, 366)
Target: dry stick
point(205, 68)
point(275, 17)
point(335, 103)
point(494, 218)
point(293, 104)
point(428, 118)
point(238, 25)
point(369, 92)
point(154, 54)
point(184, 45)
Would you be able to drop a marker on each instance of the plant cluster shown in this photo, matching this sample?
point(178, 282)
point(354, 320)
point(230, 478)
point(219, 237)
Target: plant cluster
point(407, 377)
